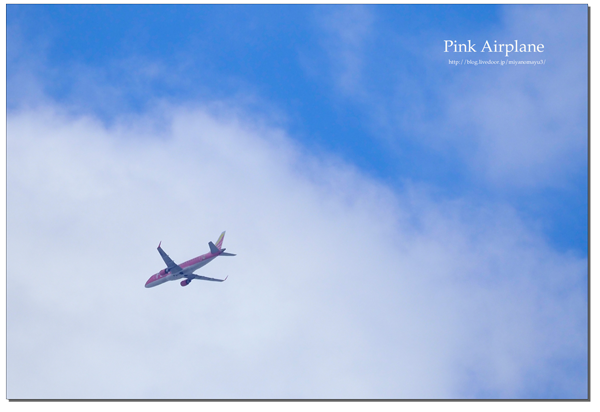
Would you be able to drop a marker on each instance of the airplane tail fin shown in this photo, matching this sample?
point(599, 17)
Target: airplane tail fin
point(220, 241)
point(219, 247)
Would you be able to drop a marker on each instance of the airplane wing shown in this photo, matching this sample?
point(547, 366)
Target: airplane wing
point(205, 278)
point(171, 266)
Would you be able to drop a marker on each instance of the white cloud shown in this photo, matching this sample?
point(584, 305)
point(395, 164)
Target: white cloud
point(341, 287)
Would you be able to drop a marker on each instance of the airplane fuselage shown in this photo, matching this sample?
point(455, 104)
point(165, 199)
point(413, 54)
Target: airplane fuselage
point(188, 268)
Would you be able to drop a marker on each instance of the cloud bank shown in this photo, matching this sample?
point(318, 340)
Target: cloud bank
point(342, 287)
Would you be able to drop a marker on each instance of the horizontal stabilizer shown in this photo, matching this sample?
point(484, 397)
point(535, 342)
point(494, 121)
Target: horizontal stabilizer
point(227, 254)
point(213, 248)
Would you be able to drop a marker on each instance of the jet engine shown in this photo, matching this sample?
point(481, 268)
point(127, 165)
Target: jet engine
point(185, 282)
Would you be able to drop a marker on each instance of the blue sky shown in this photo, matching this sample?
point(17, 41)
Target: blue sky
point(348, 116)
point(284, 58)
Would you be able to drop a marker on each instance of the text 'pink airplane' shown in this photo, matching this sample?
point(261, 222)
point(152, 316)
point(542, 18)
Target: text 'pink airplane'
point(186, 270)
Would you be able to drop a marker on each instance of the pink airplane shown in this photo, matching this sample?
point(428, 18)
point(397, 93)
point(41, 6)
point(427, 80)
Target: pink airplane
point(186, 270)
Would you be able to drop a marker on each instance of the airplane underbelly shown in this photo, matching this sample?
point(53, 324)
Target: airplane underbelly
point(175, 276)
point(170, 276)
point(199, 265)
point(157, 282)
point(161, 278)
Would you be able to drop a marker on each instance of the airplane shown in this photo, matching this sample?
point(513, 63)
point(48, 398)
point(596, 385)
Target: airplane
point(186, 270)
